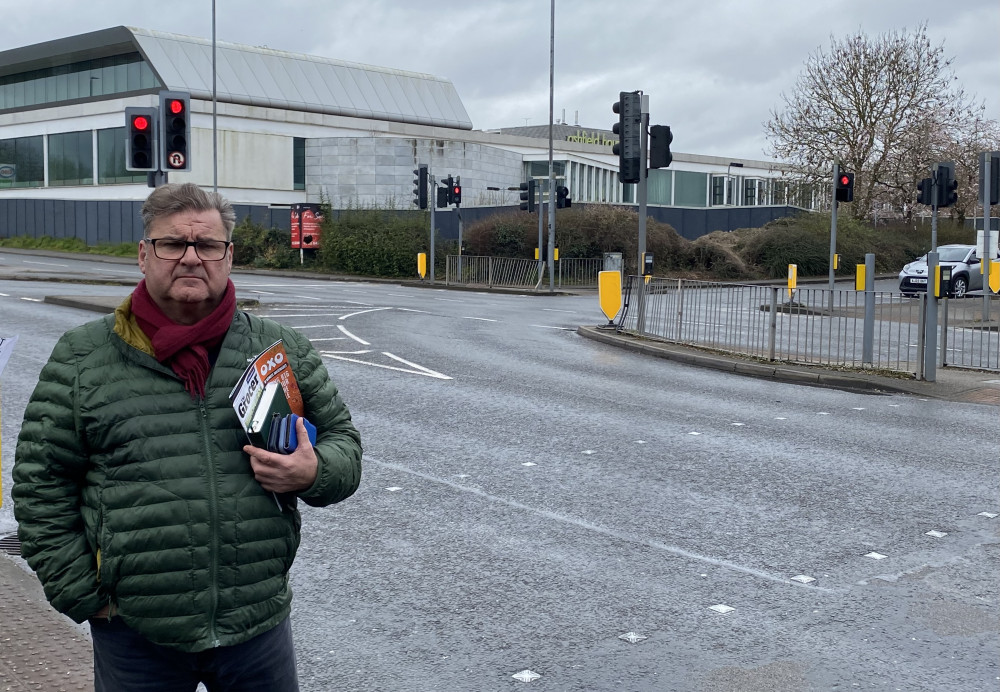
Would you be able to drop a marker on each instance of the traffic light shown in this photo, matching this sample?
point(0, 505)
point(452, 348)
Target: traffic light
point(442, 197)
point(845, 187)
point(925, 192)
point(175, 130)
point(420, 186)
point(140, 146)
point(449, 191)
point(528, 196)
point(456, 192)
point(562, 198)
point(947, 185)
point(660, 138)
point(629, 130)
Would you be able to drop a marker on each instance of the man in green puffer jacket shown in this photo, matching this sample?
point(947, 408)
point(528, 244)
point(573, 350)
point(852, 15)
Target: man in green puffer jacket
point(141, 506)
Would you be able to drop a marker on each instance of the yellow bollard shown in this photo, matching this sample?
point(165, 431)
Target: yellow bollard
point(793, 276)
point(422, 264)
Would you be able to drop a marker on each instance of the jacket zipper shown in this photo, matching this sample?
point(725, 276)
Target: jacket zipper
point(213, 494)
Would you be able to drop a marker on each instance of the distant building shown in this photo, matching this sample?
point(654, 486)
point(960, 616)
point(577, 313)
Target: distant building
point(295, 128)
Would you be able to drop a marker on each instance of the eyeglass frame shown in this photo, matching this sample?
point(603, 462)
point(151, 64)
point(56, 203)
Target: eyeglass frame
point(187, 244)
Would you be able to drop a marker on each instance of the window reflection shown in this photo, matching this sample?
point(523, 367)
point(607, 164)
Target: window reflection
point(116, 74)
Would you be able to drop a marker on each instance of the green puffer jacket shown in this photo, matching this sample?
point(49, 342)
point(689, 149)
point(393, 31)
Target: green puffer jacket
point(128, 491)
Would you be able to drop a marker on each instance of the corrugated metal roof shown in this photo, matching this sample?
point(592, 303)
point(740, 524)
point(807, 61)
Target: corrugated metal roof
point(264, 77)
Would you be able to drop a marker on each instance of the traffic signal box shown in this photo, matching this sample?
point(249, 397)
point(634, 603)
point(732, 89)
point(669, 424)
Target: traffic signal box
point(456, 193)
point(140, 146)
point(629, 130)
point(925, 190)
point(947, 185)
point(660, 138)
point(420, 186)
point(528, 196)
point(562, 198)
point(845, 187)
point(175, 131)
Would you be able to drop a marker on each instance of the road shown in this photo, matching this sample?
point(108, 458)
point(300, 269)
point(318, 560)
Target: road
point(534, 503)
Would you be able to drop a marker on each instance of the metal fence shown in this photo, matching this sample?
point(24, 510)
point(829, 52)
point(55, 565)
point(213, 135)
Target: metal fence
point(816, 326)
point(511, 272)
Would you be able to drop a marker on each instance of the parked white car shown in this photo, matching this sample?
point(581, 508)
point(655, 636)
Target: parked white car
point(965, 271)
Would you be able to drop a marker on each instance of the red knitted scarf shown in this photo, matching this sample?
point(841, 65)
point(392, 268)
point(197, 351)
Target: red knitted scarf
point(185, 348)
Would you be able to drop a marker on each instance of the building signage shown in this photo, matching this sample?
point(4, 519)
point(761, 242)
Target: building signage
point(584, 137)
point(8, 171)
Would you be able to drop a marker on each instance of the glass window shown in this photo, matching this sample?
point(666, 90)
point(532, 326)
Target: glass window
point(690, 189)
point(71, 158)
point(24, 154)
point(299, 163)
point(750, 191)
point(629, 193)
point(112, 75)
point(718, 190)
point(658, 186)
point(540, 169)
point(111, 158)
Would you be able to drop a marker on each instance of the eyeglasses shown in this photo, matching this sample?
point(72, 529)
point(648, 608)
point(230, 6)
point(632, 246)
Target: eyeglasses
point(173, 249)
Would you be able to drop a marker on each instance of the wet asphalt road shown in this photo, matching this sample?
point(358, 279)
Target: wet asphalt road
point(532, 501)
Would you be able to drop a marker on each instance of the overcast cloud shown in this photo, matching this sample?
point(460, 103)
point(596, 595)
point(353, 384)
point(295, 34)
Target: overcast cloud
point(713, 69)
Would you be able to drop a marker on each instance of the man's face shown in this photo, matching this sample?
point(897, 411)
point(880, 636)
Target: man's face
point(189, 288)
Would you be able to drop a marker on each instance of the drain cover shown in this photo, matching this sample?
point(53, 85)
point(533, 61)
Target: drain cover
point(10, 545)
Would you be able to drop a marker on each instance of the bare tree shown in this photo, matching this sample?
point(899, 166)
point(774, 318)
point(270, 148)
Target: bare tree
point(888, 108)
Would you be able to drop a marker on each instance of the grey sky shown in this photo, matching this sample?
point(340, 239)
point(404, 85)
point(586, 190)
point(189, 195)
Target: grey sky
point(713, 69)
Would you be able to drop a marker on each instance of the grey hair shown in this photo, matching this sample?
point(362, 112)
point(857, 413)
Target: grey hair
point(177, 197)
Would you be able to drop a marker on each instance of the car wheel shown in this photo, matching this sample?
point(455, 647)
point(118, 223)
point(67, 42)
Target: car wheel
point(959, 286)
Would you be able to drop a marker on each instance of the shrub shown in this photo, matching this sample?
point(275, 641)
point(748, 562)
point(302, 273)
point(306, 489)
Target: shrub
point(257, 246)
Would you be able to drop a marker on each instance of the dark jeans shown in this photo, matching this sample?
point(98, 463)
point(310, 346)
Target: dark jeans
point(125, 661)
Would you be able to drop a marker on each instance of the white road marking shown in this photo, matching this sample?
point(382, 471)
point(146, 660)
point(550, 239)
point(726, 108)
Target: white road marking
point(579, 523)
point(47, 264)
point(547, 326)
point(33, 300)
point(424, 312)
point(572, 312)
point(426, 371)
point(361, 312)
point(419, 371)
point(329, 338)
point(356, 338)
point(481, 319)
point(312, 326)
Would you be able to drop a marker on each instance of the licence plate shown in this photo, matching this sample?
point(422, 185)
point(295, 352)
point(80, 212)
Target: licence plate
point(918, 281)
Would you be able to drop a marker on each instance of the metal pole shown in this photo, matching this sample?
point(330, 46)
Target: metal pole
point(934, 210)
point(433, 205)
point(868, 340)
point(833, 227)
point(215, 133)
point(541, 245)
point(642, 189)
point(985, 162)
point(930, 324)
point(552, 170)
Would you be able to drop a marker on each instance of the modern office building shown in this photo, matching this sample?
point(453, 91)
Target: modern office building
point(288, 128)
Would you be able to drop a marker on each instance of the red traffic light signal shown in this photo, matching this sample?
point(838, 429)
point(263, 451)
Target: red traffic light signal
point(175, 106)
point(140, 122)
point(845, 187)
point(175, 131)
point(140, 145)
point(456, 194)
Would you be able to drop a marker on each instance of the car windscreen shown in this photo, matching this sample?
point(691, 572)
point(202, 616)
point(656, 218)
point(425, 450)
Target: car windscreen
point(951, 254)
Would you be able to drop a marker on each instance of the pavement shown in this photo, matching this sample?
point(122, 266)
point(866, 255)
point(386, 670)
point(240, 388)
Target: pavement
point(43, 650)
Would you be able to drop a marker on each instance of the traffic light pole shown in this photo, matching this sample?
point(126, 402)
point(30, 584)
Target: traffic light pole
point(833, 229)
point(432, 203)
point(986, 163)
point(541, 246)
point(642, 191)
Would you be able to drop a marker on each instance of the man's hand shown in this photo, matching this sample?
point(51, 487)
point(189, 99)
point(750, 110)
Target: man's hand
point(285, 473)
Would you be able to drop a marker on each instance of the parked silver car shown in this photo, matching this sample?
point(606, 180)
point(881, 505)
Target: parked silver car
point(965, 271)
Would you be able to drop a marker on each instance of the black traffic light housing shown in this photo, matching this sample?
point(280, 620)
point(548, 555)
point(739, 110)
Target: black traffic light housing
point(845, 186)
point(629, 130)
point(175, 130)
point(925, 192)
point(562, 197)
point(449, 187)
point(420, 186)
point(528, 196)
point(947, 186)
point(442, 197)
point(140, 144)
point(660, 138)
point(456, 192)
